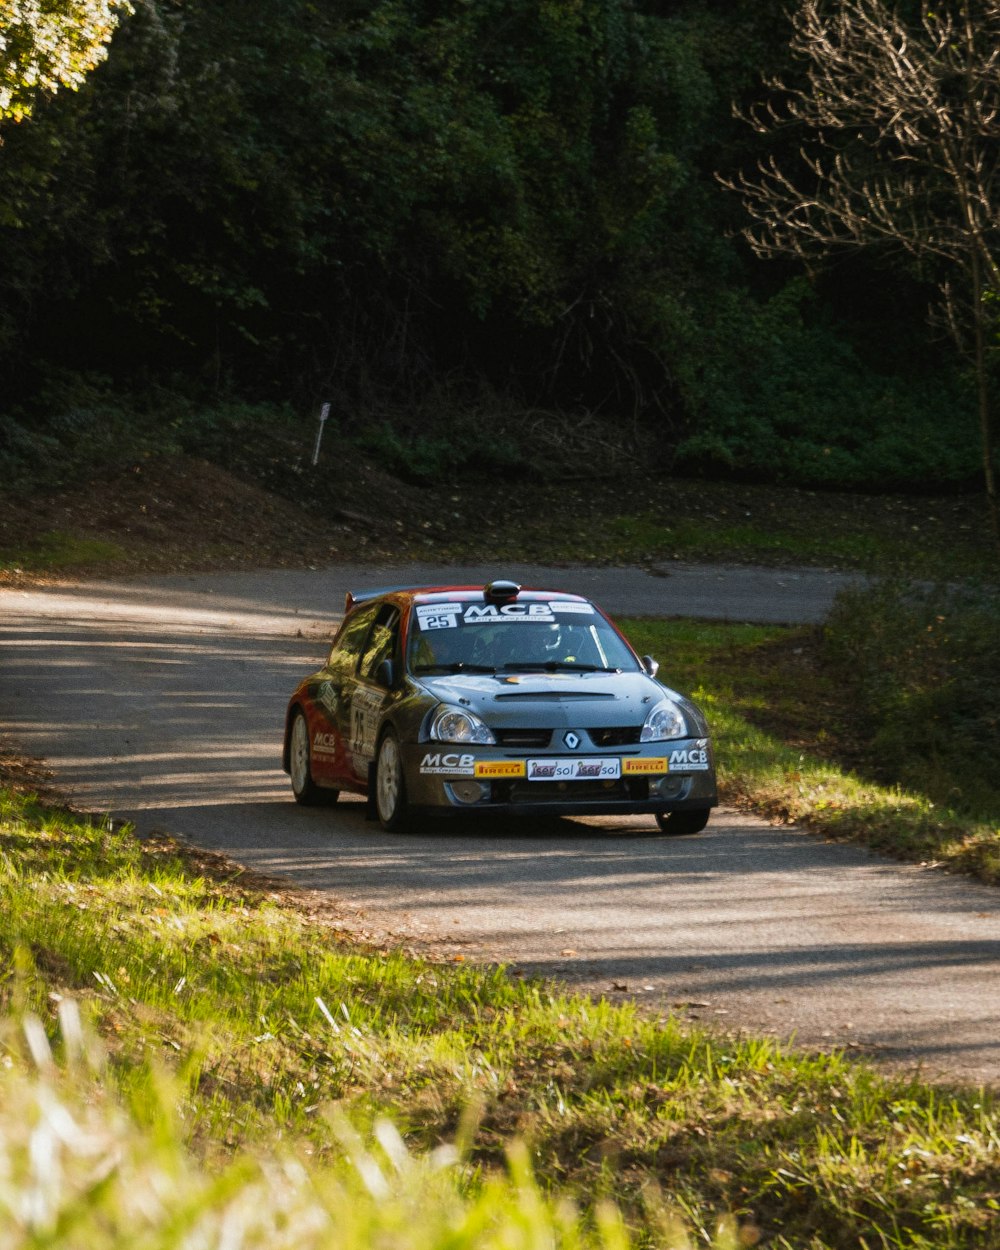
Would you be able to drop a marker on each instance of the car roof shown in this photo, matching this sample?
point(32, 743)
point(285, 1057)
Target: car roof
point(447, 594)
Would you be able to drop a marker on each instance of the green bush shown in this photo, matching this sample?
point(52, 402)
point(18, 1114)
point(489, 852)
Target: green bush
point(76, 426)
point(455, 428)
point(80, 427)
point(776, 392)
point(924, 665)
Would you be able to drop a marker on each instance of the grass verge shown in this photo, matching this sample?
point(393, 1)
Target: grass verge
point(648, 537)
point(55, 550)
point(789, 743)
point(242, 1039)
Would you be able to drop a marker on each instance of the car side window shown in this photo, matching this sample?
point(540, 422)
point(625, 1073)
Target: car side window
point(347, 647)
point(381, 643)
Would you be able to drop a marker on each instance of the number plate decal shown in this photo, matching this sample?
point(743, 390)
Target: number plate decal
point(574, 770)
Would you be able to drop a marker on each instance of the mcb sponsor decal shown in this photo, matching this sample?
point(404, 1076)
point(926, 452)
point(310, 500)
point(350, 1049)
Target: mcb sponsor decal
point(324, 744)
point(490, 613)
point(452, 615)
point(448, 763)
point(691, 759)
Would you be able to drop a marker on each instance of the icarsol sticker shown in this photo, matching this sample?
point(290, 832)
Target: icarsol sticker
point(574, 770)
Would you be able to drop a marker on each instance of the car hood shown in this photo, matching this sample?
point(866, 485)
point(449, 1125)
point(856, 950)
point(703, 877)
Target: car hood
point(550, 700)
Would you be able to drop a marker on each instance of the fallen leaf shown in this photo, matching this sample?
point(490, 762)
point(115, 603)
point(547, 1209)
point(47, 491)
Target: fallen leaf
point(568, 951)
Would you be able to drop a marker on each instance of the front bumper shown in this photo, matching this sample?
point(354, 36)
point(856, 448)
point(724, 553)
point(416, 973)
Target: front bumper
point(655, 777)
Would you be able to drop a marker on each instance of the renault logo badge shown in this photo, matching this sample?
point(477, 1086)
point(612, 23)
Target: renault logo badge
point(571, 740)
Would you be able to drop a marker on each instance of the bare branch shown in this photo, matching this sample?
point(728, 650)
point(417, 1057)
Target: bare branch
point(900, 126)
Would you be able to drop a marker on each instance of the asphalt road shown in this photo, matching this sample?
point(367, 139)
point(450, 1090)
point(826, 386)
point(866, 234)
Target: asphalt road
point(162, 701)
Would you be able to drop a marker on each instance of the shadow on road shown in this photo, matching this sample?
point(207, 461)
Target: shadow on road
point(171, 713)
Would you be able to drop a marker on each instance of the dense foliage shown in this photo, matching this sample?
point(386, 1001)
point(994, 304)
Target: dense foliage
point(924, 666)
point(423, 211)
point(49, 44)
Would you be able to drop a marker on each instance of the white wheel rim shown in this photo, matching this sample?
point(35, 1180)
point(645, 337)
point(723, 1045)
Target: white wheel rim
point(300, 754)
point(387, 781)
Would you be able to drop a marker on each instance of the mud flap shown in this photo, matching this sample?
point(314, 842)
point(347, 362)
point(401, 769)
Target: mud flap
point(371, 811)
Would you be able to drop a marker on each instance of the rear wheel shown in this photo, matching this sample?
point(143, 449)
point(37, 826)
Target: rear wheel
point(390, 783)
point(305, 790)
point(679, 824)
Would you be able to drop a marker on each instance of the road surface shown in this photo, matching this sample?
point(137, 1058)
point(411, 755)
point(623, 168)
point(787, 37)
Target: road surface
point(162, 701)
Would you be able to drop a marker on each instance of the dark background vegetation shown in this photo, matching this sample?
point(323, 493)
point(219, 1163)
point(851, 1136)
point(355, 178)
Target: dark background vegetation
point(490, 234)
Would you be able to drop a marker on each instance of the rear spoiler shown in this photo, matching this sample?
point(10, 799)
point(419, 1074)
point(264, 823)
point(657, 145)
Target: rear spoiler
point(362, 596)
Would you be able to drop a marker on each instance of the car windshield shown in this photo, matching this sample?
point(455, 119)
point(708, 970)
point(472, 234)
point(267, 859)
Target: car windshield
point(525, 636)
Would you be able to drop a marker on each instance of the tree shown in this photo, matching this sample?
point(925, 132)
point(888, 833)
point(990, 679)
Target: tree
point(901, 148)
point(48, 44)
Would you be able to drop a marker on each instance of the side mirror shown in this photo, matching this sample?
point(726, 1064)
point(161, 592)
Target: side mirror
point(385, 674)
point(650, 665)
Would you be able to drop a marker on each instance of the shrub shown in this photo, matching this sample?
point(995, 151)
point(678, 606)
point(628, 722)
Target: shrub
point(924, 665)
point(79, 427)
point(776, 392)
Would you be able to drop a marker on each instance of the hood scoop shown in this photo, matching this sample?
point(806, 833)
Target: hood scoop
point(555, 696)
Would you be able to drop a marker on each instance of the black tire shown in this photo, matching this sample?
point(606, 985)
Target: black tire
point(305, 790)
point(390, 784)
point(681, 824)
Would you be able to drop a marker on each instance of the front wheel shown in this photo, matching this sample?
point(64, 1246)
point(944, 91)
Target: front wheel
point(679, 824)
point(305, 790)
point(390, 783)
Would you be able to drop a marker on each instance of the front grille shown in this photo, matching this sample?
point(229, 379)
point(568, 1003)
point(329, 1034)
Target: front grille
point(616, 736)
point(566, 791)
point(533, 739)
point(625, 790)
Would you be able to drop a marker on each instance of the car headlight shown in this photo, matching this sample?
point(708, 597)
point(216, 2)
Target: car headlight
point(665, 721)
point(451, 724)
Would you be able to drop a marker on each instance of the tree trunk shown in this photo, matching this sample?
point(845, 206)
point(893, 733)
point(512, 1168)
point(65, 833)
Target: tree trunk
point(983, 397)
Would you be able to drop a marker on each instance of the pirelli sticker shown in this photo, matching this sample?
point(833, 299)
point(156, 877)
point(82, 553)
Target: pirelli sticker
point(500, 768)
point(635, 767)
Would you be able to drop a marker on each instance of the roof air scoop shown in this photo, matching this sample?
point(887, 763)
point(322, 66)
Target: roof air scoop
point(501, 592)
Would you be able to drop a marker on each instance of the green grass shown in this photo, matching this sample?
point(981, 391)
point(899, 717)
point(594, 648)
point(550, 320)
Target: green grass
point(641, 539)
point(717, 522)
point(644, 536)
point(239, 1034)
point(792, 774)
point(55, 551)
point(261, 1073)
point(115, 1180)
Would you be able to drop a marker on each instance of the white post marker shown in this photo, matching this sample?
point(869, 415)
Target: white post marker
point(324, 412)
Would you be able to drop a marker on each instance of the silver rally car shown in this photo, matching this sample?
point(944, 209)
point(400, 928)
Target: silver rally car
point(496, 698)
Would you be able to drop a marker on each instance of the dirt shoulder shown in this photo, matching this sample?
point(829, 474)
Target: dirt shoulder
point(177, 513)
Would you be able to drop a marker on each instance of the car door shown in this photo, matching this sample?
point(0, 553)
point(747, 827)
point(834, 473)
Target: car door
point(367, 691)
point(330, 728)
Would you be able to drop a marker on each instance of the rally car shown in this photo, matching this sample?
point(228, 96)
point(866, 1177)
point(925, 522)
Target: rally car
point(496, 698)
